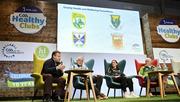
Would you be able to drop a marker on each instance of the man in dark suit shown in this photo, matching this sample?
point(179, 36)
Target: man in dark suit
point(52, 72)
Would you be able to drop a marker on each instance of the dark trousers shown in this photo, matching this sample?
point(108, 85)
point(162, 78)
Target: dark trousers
point(125, 82)
point(49, 80)
point(98, 80)
point(152, 79)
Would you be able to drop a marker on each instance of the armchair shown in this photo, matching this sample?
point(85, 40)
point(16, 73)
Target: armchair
point(109, 81)
point(38, 79)
point(142, 83)
point(77, 82)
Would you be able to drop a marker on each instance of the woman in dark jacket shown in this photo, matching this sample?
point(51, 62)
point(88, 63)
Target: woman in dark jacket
point(119, 77)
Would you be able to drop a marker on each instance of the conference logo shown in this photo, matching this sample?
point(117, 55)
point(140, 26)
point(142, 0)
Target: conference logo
point(136, 47)
point(168, 30)
point(164, 56)
point(10, 51)
point(42, 52)
point(78, 20)
point(28, 19)
point(115, 21)
point(79, 38)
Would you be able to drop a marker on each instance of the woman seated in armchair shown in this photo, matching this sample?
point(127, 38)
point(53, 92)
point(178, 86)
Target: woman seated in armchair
point(120, 77)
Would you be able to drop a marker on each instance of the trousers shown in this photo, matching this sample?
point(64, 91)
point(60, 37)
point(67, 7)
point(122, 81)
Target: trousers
point(48, 82)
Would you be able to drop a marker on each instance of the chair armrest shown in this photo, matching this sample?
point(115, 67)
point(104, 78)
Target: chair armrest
point(38, 79)
point(77, 80)
point(132, 76)
point(36, 75)
point(109, 79)
point(138, 77)
point(65, 76)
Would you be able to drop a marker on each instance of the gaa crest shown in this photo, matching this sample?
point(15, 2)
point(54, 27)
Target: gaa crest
point(115, 21)
point(79, 38)
point(78, 20)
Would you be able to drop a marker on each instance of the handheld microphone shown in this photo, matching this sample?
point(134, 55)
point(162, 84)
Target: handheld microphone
point(58, 63)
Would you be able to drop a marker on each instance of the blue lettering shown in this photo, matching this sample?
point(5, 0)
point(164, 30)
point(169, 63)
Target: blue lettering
point(32, 20)
point(41, 21)
point(25, 20)
point(21, 20)
point(15, 18)
point(160, 29)
point(36, 20)
point(29, 19)
point(168, 31)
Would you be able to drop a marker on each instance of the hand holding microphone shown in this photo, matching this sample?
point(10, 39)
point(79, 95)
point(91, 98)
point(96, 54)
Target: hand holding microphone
point(60, 66)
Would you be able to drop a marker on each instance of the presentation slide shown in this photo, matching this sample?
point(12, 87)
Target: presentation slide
point(98, 30)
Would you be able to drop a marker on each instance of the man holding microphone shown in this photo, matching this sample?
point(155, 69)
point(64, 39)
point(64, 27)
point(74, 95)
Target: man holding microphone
point(52, 72)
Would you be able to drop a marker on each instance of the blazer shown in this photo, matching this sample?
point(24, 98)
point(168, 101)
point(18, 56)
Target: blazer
point(49, 67)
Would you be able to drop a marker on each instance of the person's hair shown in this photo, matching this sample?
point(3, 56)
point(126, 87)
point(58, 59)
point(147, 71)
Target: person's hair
point(148, 59)
point(55, 52)
point(80, 57)
point(112, 66)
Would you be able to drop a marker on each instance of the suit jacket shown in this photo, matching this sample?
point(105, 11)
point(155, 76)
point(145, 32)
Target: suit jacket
point(49, 67)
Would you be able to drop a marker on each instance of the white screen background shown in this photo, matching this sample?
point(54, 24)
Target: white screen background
point(99, 29)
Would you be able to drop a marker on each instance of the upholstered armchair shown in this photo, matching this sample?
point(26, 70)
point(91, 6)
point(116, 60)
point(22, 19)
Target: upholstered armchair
point(141, 80)
point(77, 82)
point(38, 79)
point(109, 81)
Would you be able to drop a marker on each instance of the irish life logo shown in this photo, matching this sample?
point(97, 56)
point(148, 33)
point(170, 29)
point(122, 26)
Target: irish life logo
point(168, 30)
point(42, 52)
point(28, 19)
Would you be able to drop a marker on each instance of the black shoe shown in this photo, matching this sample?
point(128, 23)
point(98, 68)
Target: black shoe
point(59, 101)
point(55, 99)
point(47, 98)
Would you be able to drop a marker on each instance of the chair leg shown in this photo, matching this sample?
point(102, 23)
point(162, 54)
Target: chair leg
point(35, 92)
point(80, 94)
point(155, 90)
point(74, 93)
point(108, 91)
point(89, 92)
point(122, 93)
point(114, 93)
point(140, 91)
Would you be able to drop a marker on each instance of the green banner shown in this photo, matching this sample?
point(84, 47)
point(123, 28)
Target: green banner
point(12, 84)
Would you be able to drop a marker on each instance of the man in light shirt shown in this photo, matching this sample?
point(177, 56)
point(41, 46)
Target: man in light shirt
point(147, 68)
point(79, 64)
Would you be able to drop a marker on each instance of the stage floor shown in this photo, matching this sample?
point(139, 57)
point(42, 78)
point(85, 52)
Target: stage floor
point(168, 98)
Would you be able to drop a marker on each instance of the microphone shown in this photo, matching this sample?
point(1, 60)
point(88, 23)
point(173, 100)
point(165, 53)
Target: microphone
point(58, 63)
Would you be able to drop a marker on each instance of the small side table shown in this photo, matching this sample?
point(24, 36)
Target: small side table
point(87, 74)
point(160, 74)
